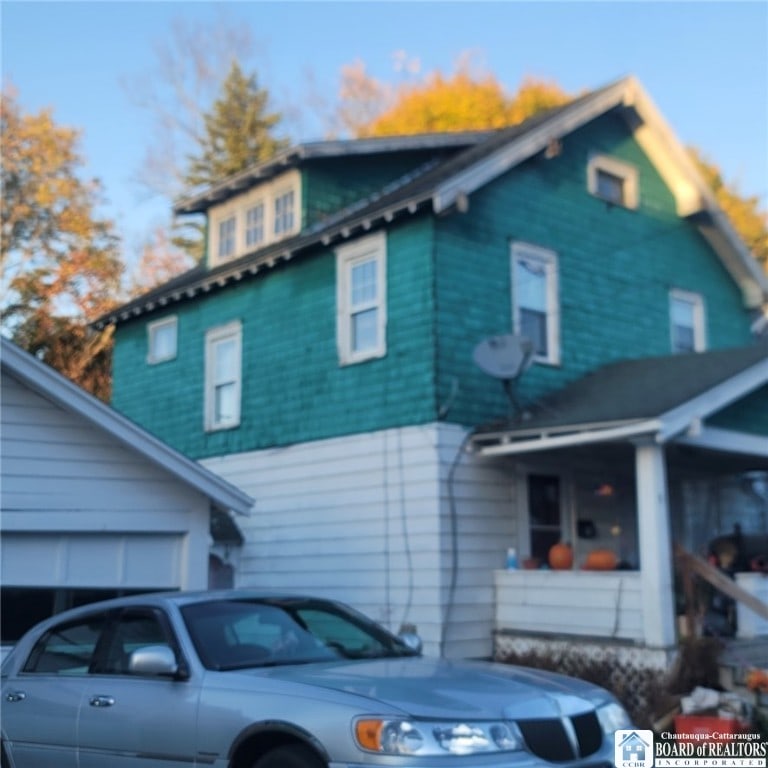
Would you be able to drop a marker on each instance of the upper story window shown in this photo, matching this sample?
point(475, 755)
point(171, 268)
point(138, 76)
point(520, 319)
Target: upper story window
point(687, 322)
point(162, 340)
point(254, 225)
point(535, 301)
point(361, 299)
point(613, 180)
point(284, 213)
point(254, 219)
point(227, 235)
point(223, 377)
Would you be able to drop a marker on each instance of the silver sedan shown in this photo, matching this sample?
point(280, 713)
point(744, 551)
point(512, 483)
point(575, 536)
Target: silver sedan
point(239, 679)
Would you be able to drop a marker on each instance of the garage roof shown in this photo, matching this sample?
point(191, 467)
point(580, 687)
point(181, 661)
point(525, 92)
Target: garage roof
point(48, 383)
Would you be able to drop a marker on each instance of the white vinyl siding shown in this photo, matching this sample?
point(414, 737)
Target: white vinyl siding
point(162, 340)
point(535, 299)
point(83, 510)
point(223, 377)
point(687, 322)
point(361, 299)
point(365, 519)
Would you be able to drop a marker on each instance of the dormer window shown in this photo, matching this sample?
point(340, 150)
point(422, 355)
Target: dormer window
point(254, 219)
point(613, 180)
point(227, 233)
point(284, 213)
point(254, 225)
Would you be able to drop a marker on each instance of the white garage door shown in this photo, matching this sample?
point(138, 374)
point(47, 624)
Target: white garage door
point(109, 560)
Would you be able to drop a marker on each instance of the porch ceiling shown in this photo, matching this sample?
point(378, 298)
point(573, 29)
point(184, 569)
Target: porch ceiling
point(662, 397)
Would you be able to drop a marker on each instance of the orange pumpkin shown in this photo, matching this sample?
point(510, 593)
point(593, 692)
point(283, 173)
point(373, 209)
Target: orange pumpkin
point(561, 556)
point(601, 560)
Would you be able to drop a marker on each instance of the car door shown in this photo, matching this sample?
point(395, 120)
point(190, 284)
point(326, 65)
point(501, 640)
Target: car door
point(128, 719)
point(41, 696)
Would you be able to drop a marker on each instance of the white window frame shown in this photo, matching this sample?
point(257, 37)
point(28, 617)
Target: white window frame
point(615, 167)
point(153, 330)
point(266, 194)
point(547, 259)
point(222, 257)
point(372, 247)
point(281, 228)
point(698, 317)
point(213, 337)
point(248, 227)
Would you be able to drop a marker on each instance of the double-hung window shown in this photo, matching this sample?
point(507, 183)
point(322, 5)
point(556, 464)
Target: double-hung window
point(361, 299)
point(254, 225)
point(284, 213)
point(535, 300)
point(687, 323)
point(227, 238)
point(223, 377)
point(161, 340)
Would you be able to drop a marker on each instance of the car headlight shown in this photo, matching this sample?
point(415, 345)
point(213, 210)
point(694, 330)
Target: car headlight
point(415, 737)
point(613, 717)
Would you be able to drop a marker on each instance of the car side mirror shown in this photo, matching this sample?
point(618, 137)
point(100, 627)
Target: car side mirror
point(157, 660)
point(411, 640)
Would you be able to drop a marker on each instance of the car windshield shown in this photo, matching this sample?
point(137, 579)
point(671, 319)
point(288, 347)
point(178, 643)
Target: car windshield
point(240, 633)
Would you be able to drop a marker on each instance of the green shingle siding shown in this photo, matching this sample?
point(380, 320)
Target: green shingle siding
point(448, 287)
point(616, 268)
point(293, 386)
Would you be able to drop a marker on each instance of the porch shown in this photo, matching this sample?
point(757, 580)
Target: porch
point(635, 459)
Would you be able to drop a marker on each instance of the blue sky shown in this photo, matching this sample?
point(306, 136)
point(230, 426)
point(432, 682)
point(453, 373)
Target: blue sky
point(705, 64)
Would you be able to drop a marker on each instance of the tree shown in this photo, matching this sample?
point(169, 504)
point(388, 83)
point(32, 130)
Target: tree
point(59, 261)
point(189, 65)
point(465, 100)
point(744, 212)
point(160, 261)
point(238, 131)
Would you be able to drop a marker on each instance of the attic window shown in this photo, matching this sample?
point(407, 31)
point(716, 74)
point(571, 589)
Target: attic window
point(613, 180)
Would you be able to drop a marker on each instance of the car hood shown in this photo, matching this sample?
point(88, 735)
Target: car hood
point(436, 688)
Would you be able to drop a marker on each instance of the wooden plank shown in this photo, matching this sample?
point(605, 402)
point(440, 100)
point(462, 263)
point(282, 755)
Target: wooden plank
point(720, 581)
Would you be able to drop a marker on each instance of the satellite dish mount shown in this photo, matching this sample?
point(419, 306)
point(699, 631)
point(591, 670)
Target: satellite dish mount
point(506, 358)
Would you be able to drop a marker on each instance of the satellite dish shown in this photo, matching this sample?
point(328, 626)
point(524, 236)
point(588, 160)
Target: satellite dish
point(504, 357)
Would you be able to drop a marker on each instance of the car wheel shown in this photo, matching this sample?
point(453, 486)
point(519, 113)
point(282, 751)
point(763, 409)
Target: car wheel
point(293, 756)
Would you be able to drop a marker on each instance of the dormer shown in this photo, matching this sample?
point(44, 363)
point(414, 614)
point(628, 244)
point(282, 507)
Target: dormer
point(265, 214)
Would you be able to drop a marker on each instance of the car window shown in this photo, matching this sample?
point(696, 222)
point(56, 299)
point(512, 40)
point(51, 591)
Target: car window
point(339, 632)
point(67, 649)
point(231, 634)
point(132, 631)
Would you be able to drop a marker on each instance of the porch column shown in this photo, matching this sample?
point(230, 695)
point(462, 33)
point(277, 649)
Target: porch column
point(655, 548)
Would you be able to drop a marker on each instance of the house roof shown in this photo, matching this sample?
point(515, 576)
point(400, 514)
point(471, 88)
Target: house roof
point(50, 384)
point(444, 186)
point(664, 397)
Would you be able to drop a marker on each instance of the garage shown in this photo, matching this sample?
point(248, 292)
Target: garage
point(93, 506)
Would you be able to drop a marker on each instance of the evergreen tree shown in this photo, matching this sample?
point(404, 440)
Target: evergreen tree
point(238, 131)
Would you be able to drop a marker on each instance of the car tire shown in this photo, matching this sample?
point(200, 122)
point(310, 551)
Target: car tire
point(292, 756)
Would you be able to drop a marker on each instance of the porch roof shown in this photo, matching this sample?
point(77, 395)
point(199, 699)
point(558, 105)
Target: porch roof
point(660, 397)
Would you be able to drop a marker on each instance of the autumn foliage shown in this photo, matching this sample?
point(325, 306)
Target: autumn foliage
point(59, 260)
point(463, 101)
